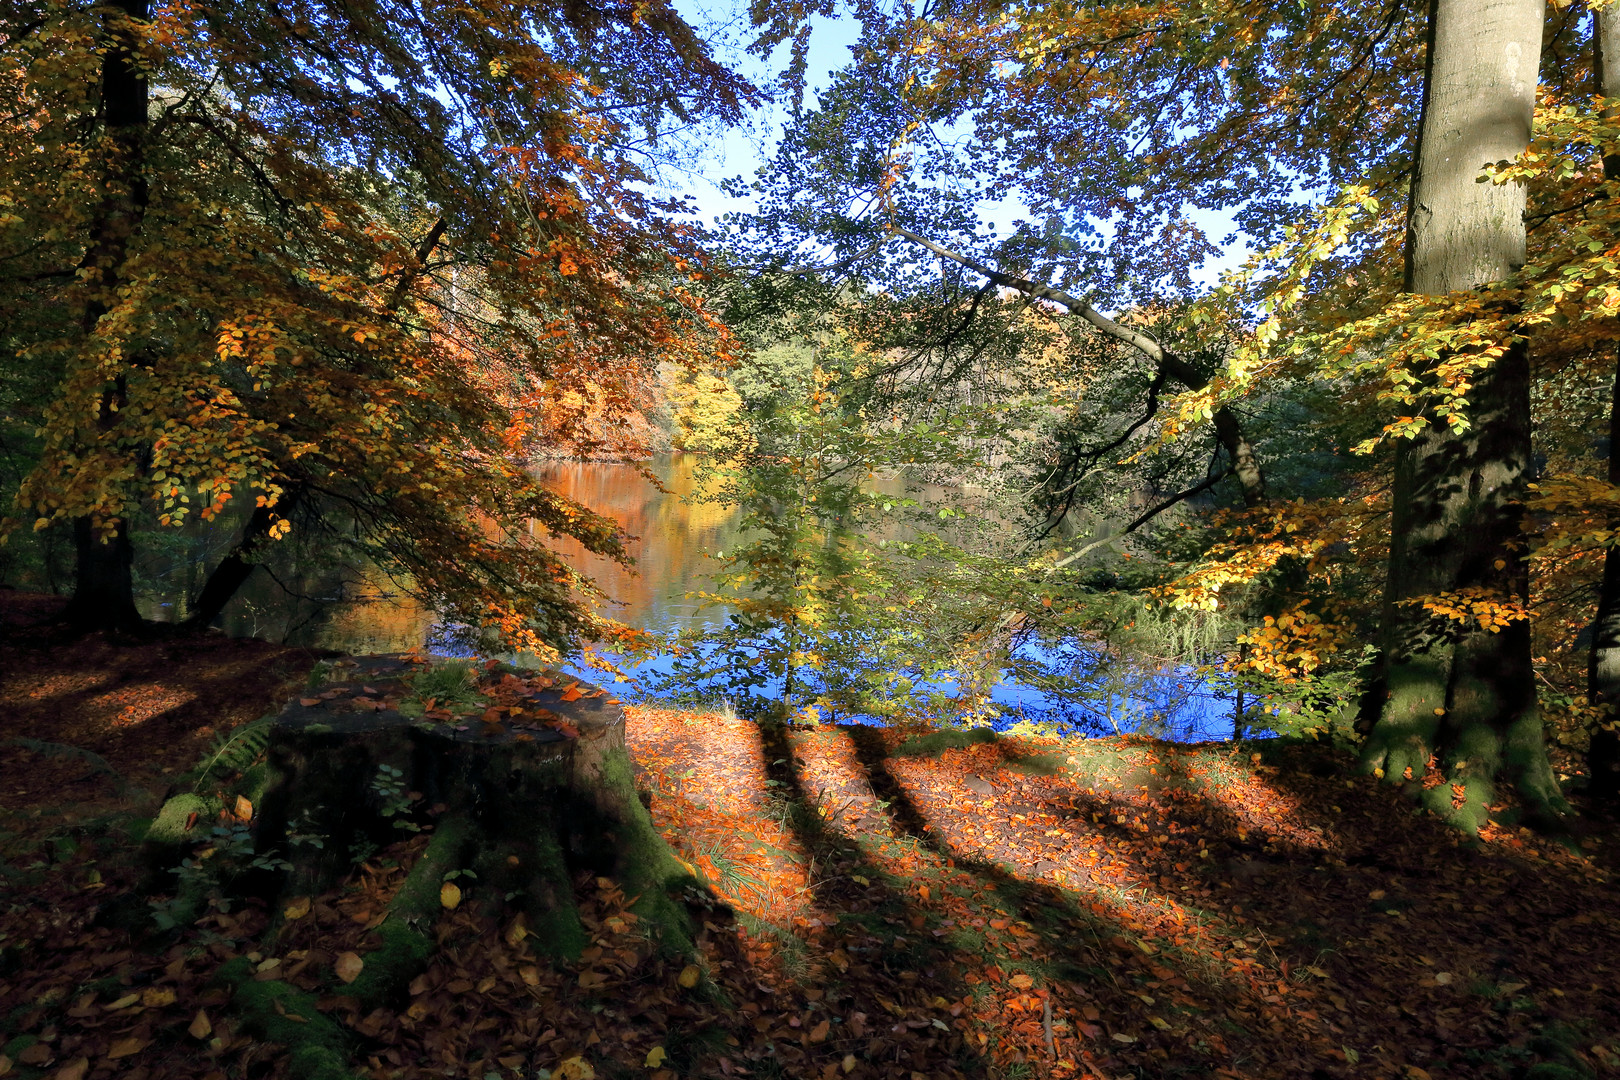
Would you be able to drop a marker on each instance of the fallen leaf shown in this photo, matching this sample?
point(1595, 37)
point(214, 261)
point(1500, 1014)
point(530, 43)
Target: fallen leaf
point(309, 702)
point(450, 895)
point(1443, 978)
point(1377, 894)
point(37, 1054)
point(689, 976)
point(200, 1027)
point(124, 1002)
point(127, 1046)
point(819, 1032)
point(1022, 981)
point(849, 1063)
point(5, 1064)
point(575, 1068)
point(655, 1058)
point(157, 997)
point(1121, 1037)
point(296, 908)
point(74, 1070)
point(348, 966)
point(530, 974)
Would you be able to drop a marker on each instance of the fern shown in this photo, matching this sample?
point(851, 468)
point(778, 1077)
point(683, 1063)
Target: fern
point(97, 763)
point(234, 752)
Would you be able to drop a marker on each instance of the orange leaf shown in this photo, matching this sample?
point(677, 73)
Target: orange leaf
point(348, 966)
point(819, 1032)
point(126, 1046)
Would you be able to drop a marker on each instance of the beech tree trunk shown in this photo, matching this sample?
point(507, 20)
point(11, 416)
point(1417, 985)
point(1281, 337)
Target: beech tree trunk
point(1457, 691)
point(238, 565)
point(1603, 663)
point(104, 597)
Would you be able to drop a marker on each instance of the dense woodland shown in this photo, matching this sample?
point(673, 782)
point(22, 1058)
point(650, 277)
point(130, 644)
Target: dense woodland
point(328, 279)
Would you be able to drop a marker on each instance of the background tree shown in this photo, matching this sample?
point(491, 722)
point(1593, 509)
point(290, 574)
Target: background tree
point(373, 247)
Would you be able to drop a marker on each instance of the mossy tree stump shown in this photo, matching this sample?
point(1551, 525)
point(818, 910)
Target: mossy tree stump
point(524, 801)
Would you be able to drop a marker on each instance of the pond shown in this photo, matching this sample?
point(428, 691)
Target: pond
point(360, 611)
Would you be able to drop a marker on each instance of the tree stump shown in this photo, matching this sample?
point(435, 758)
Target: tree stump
point(524, 789)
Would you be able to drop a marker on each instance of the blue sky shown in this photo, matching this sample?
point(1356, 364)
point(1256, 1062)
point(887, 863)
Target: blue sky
point(740, 151)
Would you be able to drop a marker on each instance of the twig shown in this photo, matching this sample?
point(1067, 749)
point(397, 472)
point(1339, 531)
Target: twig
point(1046, 1026)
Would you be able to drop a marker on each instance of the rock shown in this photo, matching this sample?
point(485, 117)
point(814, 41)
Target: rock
point(979, 786)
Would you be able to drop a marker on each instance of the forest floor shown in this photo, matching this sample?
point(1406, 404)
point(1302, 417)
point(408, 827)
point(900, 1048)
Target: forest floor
point(895, 905)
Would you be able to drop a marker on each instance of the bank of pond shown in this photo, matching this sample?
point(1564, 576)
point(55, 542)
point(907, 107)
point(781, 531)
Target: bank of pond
point(1060, 686)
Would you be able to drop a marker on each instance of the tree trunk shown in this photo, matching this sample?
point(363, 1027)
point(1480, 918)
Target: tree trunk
point(1603, 663)
point(103, 584)
point(104, 597)
point(1458, 691)
point(522, 804)
point(237, 566)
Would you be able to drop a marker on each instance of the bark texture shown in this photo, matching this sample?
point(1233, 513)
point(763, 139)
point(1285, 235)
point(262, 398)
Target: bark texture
point(1459, 691)
point(103, 596)
point(1603, 663)
point(523, 808)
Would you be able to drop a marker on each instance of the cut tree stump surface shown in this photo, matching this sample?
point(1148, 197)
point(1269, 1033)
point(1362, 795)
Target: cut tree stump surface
point(365, 694)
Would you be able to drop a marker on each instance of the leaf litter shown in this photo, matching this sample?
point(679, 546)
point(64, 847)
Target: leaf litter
point(1113, 908)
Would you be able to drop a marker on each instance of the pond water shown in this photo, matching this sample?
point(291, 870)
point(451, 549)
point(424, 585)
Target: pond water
point(358, 610)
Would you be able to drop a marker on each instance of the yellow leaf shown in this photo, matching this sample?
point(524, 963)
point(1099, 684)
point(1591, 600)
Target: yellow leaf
point(126, 1046)
point(655, 1057)
point(689, 976)
point(849, 1064)
point(450, 895)
point(296, 908)
point(348, 966)
point(157, 997)
point(575, 1068)
point(200, 1027)
point(124, 1002)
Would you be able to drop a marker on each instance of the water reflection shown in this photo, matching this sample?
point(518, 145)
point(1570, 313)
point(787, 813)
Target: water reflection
point(303, 598)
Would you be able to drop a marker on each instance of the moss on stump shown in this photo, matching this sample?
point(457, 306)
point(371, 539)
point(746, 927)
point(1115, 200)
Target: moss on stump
point(524, 784)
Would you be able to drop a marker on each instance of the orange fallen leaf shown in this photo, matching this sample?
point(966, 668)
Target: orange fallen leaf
point(74, 1070)
point(575, 1068)
point(348, 966)
point(819, 1032)
point(1022, 981)
point(126, 1046)
point(243, 809)
point(309, 702)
